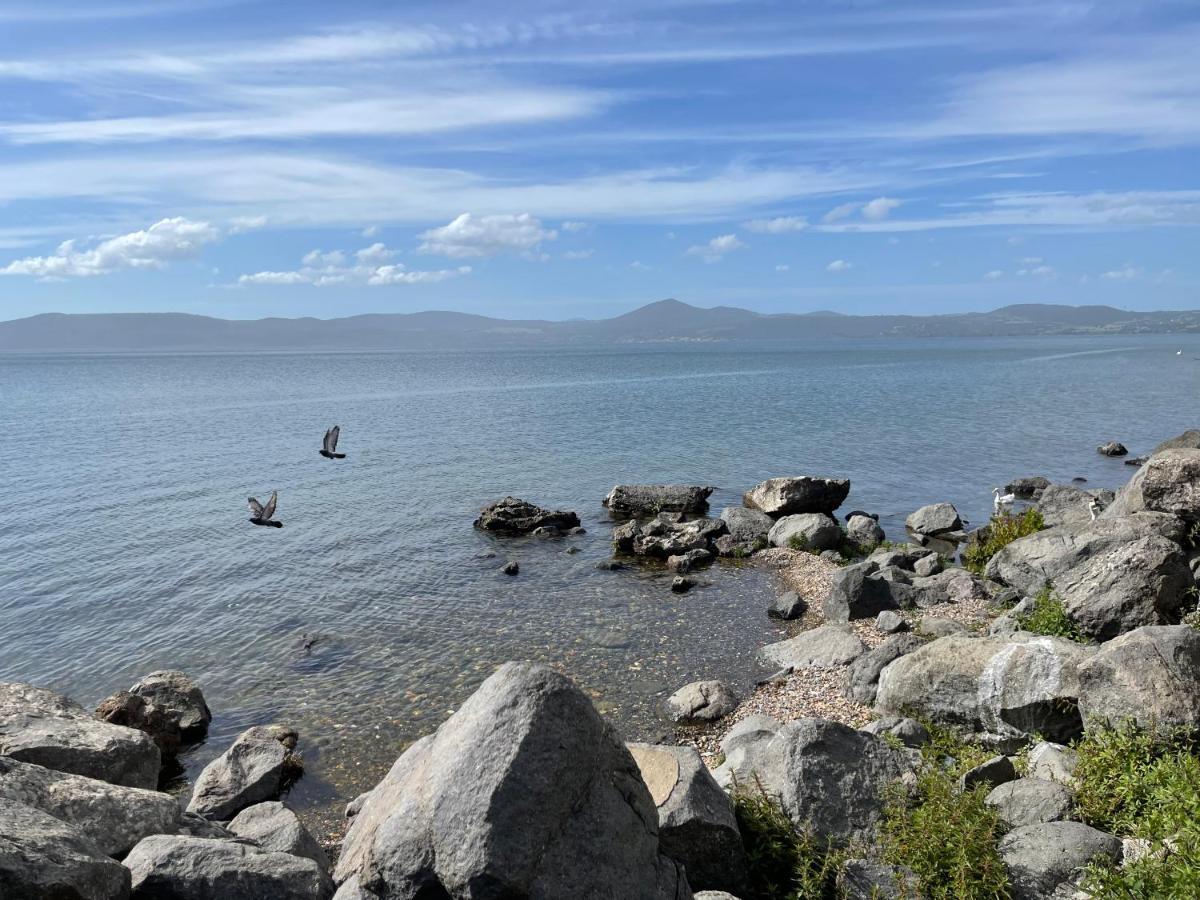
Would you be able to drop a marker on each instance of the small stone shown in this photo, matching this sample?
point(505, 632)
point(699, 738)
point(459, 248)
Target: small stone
point(511, 567)
point(681, 584)
point(788, 605)
point(701, 701)
point(890, 622)
point(997, 770)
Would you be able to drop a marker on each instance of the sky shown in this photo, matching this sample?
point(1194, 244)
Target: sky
point(536, 159)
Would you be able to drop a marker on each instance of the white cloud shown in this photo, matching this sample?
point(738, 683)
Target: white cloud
point(1044, 272)
point(240, 224)
point(573, 227)
point(993, 275)
point(578, 254)
point(1127, 273)
point(371, 231)
point(781, 225)
point(471, 235)
point(838, 213)
point(716, 248)
point(877, 210)
point(640, 266)
point(370, 268)
point(782, 267)
point(838, 265)
point(164, 242)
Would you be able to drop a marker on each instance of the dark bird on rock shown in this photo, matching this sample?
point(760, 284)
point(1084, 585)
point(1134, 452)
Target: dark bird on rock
point(329, 445)
point(261, 515)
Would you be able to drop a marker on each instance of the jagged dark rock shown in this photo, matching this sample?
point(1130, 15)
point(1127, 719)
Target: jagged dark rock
point(513, 516)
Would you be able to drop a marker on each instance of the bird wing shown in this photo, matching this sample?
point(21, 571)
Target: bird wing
point(327, 440)
point(332, 435)
point(255, 507)
point(269, 510)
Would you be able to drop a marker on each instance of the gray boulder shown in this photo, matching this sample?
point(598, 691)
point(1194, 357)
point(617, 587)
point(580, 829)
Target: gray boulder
point(788, 605)
point(802, 494)
point(696, 824)
point(351, 889)
point(1053, 762)
point(903, 557)
point(864, 533)
point(1041, 857)
point(934, 519)
point(936, 627)
point(1063, 504)
point(686, 562)
point(862, 678)
point(701, 701)
point(1112, 448)
point(178, 867)
point(1169, 482)
point(856, 594)
point(662, 539)
point(651, 499)
point(1031, 801)
point(111, 816)
point(524, 791)
point(1189, 440)
point(828, 645)
point(890, 622)
point(831, 778)
point(1027, 488)
point(742, 747)
point(511, 516)
point(132, 711)
point(908, 732)
point(873, 879)
point(997, 770)
point(45, 728)
point(927, 566)
point(1151, 674)
point(813, 531)
point(44, 858)
point(1004, 689)
point(192, 825)
point(277, 829)
point(179, 696)
point(746, 525)
point(255, 768)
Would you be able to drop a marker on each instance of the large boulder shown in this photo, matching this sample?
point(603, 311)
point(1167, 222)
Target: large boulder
point(1004, 689)
point(1027, 488)
point(864, 533)
point(276, 828)
point(823, 647)
point(511, 516)
point(862, 678)
point(524, 791)
point(1031, 801)
point(1064, 504)
point(651, 499)
point(132, 711)
point(811, 531)
point(45, 728)
point(701, 701)
point(746, 526)
point(180, 697)
point(1189, 440)
point(1041, 857)
point(1169, 482)
point(44, 858)
point(856, 592)
point(934, 519)
point(832, 779)
point(189, 868)
point(1151, 674)
point(696, 824)
point(256, 767)
point(801, 494)
point(112, 817)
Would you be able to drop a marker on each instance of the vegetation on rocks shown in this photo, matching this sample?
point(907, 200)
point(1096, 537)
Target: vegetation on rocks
point(1000, 532)
point(1049, 617)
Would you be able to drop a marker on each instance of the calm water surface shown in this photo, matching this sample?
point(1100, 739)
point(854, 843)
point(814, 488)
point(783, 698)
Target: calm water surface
point(126, 546)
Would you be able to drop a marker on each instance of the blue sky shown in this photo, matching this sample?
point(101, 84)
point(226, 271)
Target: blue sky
point(536, 159)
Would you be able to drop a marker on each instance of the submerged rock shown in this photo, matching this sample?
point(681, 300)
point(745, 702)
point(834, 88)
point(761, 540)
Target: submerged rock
point(132, 711)
point(513, 516)
point(800, 494)
point(650, 499)
point(1112, 448)
point(526, 791)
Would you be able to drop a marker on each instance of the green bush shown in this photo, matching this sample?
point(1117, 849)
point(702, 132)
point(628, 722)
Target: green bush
point(783, 865)
point(1145, 783)
point(798, 542)
point(1049, 617)
point(1000, 532)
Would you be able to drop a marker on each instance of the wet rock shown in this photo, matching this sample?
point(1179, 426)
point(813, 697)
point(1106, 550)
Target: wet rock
point(131, 711)
point(810, 531)
point(862, 679)
point(746, 525)
point(1136, 460)
point(42, 857)
point(177, 695)
point(801, 494)
point(828, 645)
point(729, 546)
point(994, 771)
point(277, 829)
point(190, 868)
point(512, 516)
point(856, 594)
point(908, 732)
point(1041, 857)
point(1112, 448)
point(696, 824)
point(1169, 483)
point(1031, 801)
point(1027, 488)
point(512, 567)
point(650, 499)
point(110, 816)
point(661, 539)
point(864, 533)
point(1151, 675)
point(788, 605)
point(255, 768)
point(609, 565)
point(890, 622)
point(681, 584)
point(701, 701)
point(686, 562)
point(516, 790)
point(45, 728)
point(934, 520)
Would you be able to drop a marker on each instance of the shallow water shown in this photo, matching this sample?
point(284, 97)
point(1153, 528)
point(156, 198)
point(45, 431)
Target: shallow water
point(126, 545)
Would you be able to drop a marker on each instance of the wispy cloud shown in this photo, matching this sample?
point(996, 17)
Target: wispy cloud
point(838, 265)
point(371, 267)
point(715, 249)
point(780, 225)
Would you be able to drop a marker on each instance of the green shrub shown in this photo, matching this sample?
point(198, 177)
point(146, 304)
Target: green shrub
point(1145, 783)
point(783, 865)
point(1049, 617)
point(1000, 532)
point(798, 542)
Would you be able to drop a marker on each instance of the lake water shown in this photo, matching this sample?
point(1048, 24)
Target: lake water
point(126, 545)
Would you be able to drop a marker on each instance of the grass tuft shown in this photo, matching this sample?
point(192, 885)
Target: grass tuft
point(1000, 532)
point(1049, 617)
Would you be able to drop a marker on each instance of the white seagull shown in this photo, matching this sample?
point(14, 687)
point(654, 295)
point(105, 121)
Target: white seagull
point(1094, 508)
point(1001, 502)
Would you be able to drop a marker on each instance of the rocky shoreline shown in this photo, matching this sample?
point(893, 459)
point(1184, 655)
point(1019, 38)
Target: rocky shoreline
point(1072, 614)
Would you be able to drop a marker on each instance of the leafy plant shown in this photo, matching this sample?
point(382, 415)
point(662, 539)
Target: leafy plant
point(1049, 617)
point(798, 542)
point(998, 534)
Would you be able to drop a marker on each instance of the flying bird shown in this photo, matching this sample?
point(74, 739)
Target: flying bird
point(329, 445)
point(1001, 502)
point(261, 515)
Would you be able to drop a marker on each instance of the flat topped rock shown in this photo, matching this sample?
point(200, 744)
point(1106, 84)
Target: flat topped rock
point(829, 645)
point(934, 519)
point(651, 499)
point(511, 515)
point(797, 494)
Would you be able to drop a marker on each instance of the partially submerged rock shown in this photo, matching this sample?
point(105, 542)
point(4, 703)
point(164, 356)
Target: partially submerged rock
point(800, 494)
point(1027, 488)
point(746, 526)
point(131, 711)
point(934, 520)
point(651, 499)
point(701, 701)
point(1112, 448)
point(513, 516)
point(179, 696)
point(257, 767)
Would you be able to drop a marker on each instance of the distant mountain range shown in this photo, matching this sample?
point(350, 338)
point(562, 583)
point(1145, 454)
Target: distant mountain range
point(661, 322)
